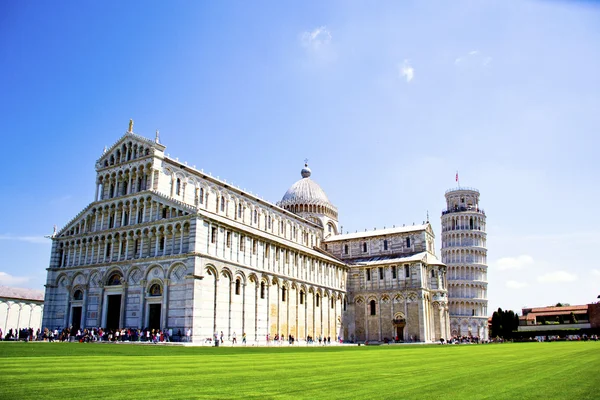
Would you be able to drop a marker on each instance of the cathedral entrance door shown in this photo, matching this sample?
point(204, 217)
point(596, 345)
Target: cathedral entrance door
point(113, 314)
point(76, 312)
point(400, 332)
point(154, 316)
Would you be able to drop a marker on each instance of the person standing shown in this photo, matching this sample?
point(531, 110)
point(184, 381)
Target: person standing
point(221, 337)
point(244, 338)
point(234, 338)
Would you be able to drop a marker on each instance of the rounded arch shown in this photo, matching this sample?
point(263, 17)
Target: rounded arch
point(62, 280)
point(240, 274)
point(211, 270)
point(114, 277)
point(154, 271)
point(77, 293)
point(226, 273)
point(155, 288)
point(176, 271)
point(252, 277)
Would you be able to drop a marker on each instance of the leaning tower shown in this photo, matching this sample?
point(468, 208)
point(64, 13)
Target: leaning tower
point(464, 252)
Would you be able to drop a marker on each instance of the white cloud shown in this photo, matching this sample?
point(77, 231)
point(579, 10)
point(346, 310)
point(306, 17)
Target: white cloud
point(407, 71)
point(28, 239)
point(557, 276)
point(518, 262)
point(8, 280)
point(596, 273)
point(316, 39)
point(473, 58)
point(516, 284)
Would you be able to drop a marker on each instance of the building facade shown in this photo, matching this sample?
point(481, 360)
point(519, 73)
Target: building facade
point(20, 308)
point(464, 251)
point(164, 245)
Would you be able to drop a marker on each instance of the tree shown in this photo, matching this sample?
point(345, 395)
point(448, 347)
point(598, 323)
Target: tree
point(504, 323)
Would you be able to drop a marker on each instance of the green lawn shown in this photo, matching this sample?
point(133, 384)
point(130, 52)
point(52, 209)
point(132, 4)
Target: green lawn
point(564, 370)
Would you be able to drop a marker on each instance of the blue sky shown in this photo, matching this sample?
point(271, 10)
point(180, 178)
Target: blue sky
point(386, 100)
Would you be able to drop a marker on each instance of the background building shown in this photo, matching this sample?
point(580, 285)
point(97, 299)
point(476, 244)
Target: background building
point(20, 308)
point(465, 254)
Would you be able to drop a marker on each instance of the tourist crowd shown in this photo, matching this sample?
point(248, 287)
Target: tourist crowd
point(93, 335)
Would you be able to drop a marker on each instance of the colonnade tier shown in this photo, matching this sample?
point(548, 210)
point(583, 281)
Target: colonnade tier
point(466, 238)
point(471, 272)
point(469, 255)
point(120, 245)
point(463, 221)
point(128, 151)
point(467, 291)
point(133, 178)
point(467, 308)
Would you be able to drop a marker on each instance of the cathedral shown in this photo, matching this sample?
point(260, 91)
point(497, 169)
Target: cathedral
point(166, 246)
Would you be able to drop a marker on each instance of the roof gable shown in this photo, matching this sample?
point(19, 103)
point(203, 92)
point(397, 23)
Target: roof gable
point(139, 143)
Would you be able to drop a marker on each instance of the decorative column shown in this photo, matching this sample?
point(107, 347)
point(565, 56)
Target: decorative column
point(165, 306)
point(84, 307)
point(123, 306)
point(67, 308)
point(143, 302)
point(100, 305)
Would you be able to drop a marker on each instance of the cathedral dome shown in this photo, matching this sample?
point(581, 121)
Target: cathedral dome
point(305, 191)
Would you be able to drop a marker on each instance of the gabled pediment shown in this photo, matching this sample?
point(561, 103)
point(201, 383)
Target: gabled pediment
point(429, 229)
point(129, 147)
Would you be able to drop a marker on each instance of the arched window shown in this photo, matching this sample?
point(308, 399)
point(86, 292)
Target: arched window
point(178, 187)
point(385, 244)
point(262, 290)
point(318, 300)
point(78, 295)
point(222, 203)
point(345, 249)
point(255, 216)
point(238, 285)
point(345, 304)
point(364, 247)
point(201, 196)
point(283, 293)
point(155, 290)
point(115, 279)
point(373, 307)
point(332, 302)
point(407, 242)
point(301, 297)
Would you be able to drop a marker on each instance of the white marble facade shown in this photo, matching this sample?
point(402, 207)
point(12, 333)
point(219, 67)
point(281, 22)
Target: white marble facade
point(163, 245)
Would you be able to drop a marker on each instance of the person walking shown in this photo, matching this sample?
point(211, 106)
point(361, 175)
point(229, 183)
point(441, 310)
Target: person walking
point(244, 338)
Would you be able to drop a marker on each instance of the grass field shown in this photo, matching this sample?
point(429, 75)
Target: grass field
point(563, 370)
